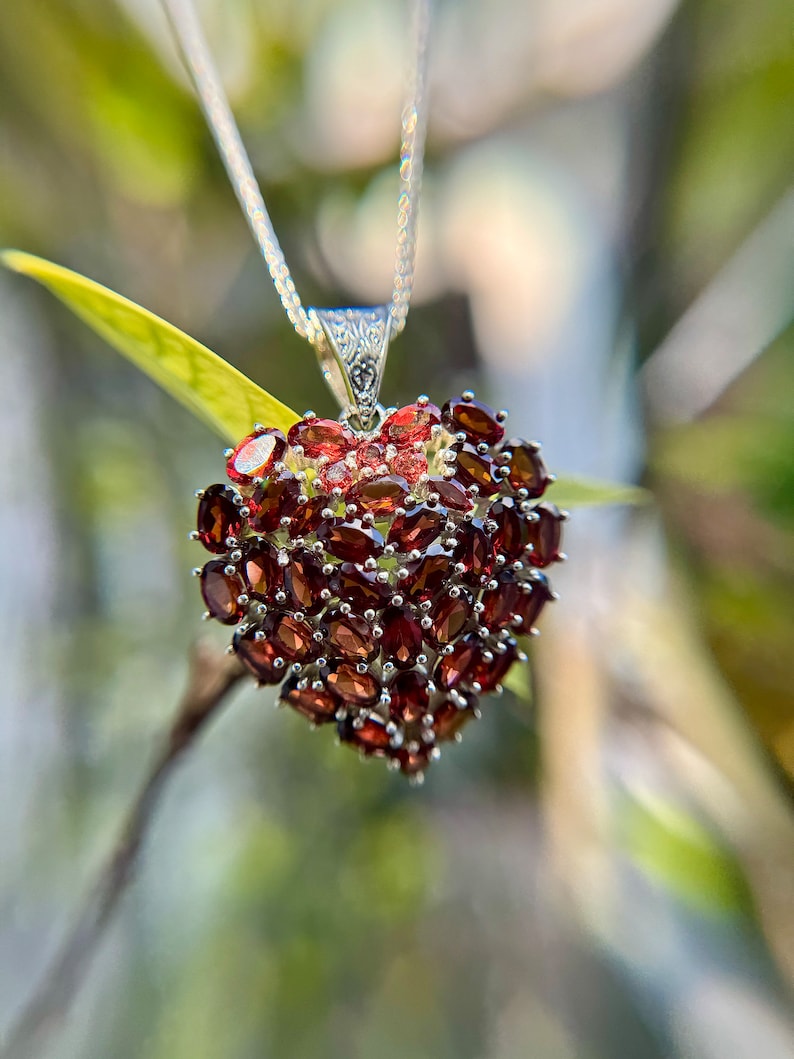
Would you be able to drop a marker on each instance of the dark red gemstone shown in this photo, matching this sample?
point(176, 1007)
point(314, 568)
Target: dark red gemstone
point(475, 419)
point(350, 540)
point(459, 666)
point(379, 496)
point(449, 615)
point(256, 455)
point(412, 423)
point(292, 639)
point(335, 476)
point(308, 516)
point(316, 704)
point(500, 603)
point(304, 580)
point(488, 673)
point(449, 717)
point(414, 760)
point(535, 596)
point(410, 697)
point(474, 468)
point(527, 469)
point(261, 570)
point(218, 518)
point(259, 656)
point(417, 528)
point(371, 737)
point(411, 465)
point(451, 494)
point(351, 637)
point(351, 687)
point(220, 591)
point(402, 637)
point(322, 437)
point(473, 551)
point(511, 535)
point(360, 587)
point(277, 498)
point(428, 575)
point(545, 535)
point(370, 454)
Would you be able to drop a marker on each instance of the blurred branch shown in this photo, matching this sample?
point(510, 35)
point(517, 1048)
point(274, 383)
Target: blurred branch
point(211, 677)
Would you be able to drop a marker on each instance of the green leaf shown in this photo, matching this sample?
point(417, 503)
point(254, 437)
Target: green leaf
point(220, 395)
point(588, 492)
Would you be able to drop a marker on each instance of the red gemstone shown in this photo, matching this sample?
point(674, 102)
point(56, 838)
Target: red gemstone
point(428, 574)
point(351, 636)
point(379, 496)
point(402, 637)
point(370, 454)
point(256, 455)
point(259, 656)
point(360, 587)
point(218, 518)
point(474, 468)
point(351, 687)
point(335, 476)
point(535, 596)
point(413, 423)
point(488, 673)
point(449, 615)
point(276, 499)
point(414, 760)
point(316, 704)
point(261, 570)
point(411, 465)
point(410, 697)
point(545, 535)
point(308, 516)
point(220, 591)
point(475, 419)
point(459, 666)
point(511, 535)
point(351, 541)
point(417, 528)
point(527, 469)
point(321, 437)
point(304, 580)
point(451, 494)
point(473, 551)
point(292, 639)
point(371, 737)
point(500, 603)
point(449, 717)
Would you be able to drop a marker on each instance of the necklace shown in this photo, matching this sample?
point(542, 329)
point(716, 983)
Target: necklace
point(381, 566)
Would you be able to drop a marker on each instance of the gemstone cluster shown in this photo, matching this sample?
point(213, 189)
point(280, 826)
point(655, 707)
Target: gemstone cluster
point(384, 579)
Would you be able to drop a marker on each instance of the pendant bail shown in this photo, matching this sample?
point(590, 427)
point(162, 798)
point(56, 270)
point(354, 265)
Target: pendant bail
point(352, 348)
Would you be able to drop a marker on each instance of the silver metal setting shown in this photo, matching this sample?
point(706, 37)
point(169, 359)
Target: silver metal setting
point(353, 357)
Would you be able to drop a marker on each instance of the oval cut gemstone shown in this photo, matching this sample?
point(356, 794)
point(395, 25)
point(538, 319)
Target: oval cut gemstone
point(360, 587)
point(451, 494)
point(304, 580)
point(410, 698)
point(218, 517)
point(350, 540)
point(371, 738)
point(417, 528)
point(474, 468)
point(449, 718)
point(308, 516)
point(545, 535)
point(534, 597)
point(511, 535)
point(500, 603)
point(475, 419)
point(402, 637)
point(527, 469)
point(473, 551)
point(292, 639)
point(261, 570)
point(449, 615)
point(351, 687)
point(277, 498)
point(412, 423)
point(490, 673)
point(318, 705)
point(335, 476)
point(256, 455)
point(413, 761)
point(459, 667)
point(410, 465)
point(370, 454)
point(428, 575)
point(351, 636)
point(220, 591)
point(259, 656)
point(321, 437)
point(379, 496)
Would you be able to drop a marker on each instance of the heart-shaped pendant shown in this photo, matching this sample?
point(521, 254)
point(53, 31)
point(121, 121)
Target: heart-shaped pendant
point(382, 577)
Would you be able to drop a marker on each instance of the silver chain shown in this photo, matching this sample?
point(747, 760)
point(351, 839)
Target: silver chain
point(187, 30)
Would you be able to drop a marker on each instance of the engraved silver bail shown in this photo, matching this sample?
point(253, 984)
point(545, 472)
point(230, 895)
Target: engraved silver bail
point(352, 347)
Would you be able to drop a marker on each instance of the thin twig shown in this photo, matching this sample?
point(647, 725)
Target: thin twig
point(211, 677)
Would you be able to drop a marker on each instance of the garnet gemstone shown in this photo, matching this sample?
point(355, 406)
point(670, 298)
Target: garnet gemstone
point(411, 465)
point(351, 541)
point(500, 603)
point(276, 499)
point(545, 535)
point(261, 570)
point(335, 476)
point(259, 656)
point(490, 673)
point(304, 580)
point(370, 454)
point(474, 468)
point(308, 516)
point(379, 496)
point(351, 636)
point(360, 587)
point(473, 551)
point(321, 437)
point(428, 574)
point(220, 591)
point(535, 596)
point(351, 687)
point(372, 737)
point(218, 518)
point(412, 423)
point(292, 639)
point(413, 761)
point(527, 469)
point(417, 528)
point(449, 718)
point(451, 494)
point(410, 697)
point(459, 666)
point(256, 455)
point(316, 704)
point(511, 535)
point(475, 419)
point(402, 637)
point(449, 615)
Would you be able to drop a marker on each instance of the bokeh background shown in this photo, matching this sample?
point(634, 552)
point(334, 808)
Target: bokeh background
point(604, 869)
